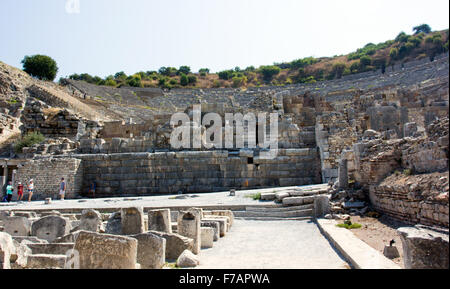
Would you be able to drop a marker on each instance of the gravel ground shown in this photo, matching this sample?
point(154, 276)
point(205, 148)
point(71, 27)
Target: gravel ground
point(272, 245)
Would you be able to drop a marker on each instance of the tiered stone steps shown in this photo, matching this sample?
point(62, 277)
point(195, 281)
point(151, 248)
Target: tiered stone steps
point(268, 213)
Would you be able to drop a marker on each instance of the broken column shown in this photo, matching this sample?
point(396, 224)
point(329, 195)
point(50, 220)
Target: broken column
point(160, 220)
point(189, 226)
point(103, 251)
point(151, 251)
point(207, 237)
point(6, 249)
point(321, 206)
point(343, 174)
point(91, 220)
point(132, 220)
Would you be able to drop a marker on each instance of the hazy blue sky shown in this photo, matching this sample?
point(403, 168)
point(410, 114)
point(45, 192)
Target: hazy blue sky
point(107, 36)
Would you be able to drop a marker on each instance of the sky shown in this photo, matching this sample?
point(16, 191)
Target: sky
point(102, 37)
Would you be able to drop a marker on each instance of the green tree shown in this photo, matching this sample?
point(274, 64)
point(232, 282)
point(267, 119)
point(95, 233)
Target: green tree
point(269, 72)
point(184, 80)
point(425, 28)
point(40, 66)
point(184, 70)
point(226, 74)
point(192, 79)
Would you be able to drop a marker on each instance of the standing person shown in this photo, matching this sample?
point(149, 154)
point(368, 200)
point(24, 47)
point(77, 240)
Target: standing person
point(30, 190)
point(9, 191)
point(92, 189)
point(62, 189)
point(19, 192)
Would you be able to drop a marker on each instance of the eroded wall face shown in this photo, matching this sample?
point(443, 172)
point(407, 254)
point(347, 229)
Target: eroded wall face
point(47, 174)
point(196, 172)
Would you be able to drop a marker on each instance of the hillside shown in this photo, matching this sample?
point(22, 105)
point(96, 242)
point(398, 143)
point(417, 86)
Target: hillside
point(404, 48)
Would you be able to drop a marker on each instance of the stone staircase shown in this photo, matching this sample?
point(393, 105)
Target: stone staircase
point(290, 204)
point(274, 213)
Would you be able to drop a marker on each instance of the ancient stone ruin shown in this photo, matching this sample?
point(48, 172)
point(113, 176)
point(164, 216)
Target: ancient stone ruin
point(370, 142)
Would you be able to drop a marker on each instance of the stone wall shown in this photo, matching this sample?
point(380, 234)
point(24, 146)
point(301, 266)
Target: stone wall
point(196, 172)
point(47, 174)
point(412, 199)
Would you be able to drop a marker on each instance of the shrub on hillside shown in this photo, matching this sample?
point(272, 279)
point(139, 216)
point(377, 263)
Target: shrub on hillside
point(184, 80)
point(192, 79)
point(40, 66)
point(269, 72)
point(28, 140)
point(184, 70)
point(226, 74)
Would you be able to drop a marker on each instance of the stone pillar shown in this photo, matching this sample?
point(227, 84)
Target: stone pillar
point(160, 220)
point(132, 220)
point(321, 206)
point(189, 226)
point(343, 174)
point(5, 174)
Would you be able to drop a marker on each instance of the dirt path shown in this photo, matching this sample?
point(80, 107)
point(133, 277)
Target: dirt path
point(379, 232)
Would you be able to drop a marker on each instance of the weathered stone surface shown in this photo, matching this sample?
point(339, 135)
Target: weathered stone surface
point(222, 223)
point(50, 227)
point(298, 201)
point(391, 252)
point(91, 220)
point(17, 226)
point(189, 226)
point(343, 174)
point(4, 215)
point(151, 250)
point(224, 213)
point(354, 205)
point(175, 244)
point(103, 251)
point(160, 220)
point(321, 206)
point(51, 248)
point(46, 261)
point(27, 215)
point(114, 224)
point(132, 220)
point(424, 248)
point(187, 260)
point(215, 226)
point(207, 237)
point(7, 248)
point(31, 239)
point(268, 196)
point(19, 259)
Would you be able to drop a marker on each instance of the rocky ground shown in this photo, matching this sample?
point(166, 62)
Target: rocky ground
point(378, 232)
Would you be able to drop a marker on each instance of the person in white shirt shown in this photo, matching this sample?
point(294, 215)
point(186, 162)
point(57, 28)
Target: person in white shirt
point(30, 190)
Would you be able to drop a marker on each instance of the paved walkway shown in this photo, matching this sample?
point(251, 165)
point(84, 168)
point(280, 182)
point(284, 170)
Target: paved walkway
point(272, 245)
point(206, 199)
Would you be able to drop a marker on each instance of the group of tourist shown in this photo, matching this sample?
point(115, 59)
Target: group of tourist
point(30, 190)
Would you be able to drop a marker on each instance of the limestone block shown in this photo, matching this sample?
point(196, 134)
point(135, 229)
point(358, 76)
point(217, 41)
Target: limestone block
point(50, 227)
point(189, 226)
point(132, 220)
point(215, 226)
point(424, 248)
point(187, 260)
point(46, 261)
point(160, 220)
point(222, 222)
point(175, 244)
point(268, 196)
point(281, 195)
point(298, 201)
point(207, 237)
point(7, 248)
point(91, 220)
point(321, 206)
point(103, 251)
point(151, 250)
point(17, 226)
